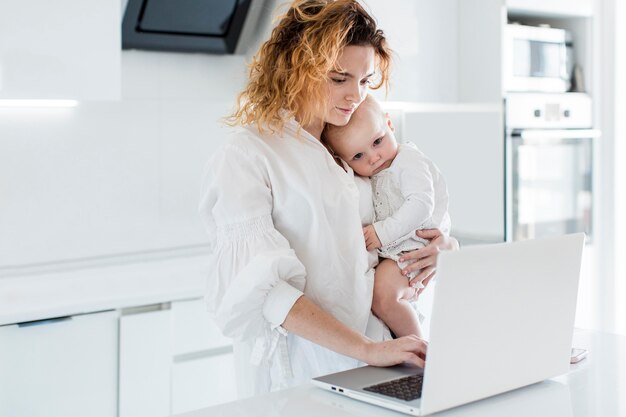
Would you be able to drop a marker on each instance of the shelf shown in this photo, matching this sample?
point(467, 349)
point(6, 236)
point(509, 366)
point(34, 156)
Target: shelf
point(550, 8)
point(415, 107)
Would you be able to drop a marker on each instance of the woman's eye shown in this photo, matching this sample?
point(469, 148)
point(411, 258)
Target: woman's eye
point(366, 81)
point(378, 141)
point(338, 80)
point(357, 156)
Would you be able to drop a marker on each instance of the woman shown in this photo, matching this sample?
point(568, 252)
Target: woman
point(291, 280)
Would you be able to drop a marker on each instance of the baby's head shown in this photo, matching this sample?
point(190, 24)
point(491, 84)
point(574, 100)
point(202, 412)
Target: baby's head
point(367, 142)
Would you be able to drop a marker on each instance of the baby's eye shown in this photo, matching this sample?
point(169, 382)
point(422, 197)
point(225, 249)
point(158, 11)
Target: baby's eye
point(357, 156)
point(378, 141)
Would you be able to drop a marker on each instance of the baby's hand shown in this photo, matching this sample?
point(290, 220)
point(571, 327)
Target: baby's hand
point(371, 238)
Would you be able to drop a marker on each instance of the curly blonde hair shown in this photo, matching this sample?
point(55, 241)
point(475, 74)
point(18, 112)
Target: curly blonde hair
point(288, 73)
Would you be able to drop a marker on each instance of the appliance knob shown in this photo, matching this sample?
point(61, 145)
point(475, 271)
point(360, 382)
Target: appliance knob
point(537, 113)
point(566, 113)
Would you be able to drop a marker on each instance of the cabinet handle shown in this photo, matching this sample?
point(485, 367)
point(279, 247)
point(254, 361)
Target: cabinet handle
point(44, 321)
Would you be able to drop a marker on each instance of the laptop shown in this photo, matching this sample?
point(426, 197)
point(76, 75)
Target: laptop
point(502, 318)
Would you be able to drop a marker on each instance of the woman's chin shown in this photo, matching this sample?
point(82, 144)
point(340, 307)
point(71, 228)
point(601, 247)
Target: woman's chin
point(339, 119)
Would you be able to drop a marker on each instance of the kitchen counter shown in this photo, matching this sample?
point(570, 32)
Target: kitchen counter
point(103, 287)
point(592, 388)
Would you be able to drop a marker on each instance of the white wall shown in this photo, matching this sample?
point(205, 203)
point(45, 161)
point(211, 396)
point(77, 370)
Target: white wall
point(123, 176)
point(119, 176)
point(423, 35)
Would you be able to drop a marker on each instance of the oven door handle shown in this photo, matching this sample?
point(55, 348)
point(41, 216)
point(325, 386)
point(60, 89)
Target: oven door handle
point(543, 134)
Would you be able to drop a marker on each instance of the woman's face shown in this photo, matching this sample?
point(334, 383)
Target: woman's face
point(348, 83)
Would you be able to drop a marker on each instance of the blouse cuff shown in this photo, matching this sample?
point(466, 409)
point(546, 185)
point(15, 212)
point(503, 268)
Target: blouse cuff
point(279, 302)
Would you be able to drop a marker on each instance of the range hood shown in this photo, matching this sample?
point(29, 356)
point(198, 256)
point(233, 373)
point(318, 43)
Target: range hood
point(211, 26)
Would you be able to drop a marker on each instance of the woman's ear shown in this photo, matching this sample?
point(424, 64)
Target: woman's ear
point(389, 122)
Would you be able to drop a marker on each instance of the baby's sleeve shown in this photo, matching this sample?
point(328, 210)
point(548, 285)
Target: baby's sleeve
point(416, 186)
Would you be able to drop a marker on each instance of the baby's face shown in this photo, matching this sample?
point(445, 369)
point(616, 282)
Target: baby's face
point(367, 143)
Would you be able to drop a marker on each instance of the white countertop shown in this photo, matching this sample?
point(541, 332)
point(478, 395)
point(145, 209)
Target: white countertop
point(98, 288)
point(593, 388)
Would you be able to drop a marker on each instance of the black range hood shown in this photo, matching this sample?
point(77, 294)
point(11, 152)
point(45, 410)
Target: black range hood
point(211, 26)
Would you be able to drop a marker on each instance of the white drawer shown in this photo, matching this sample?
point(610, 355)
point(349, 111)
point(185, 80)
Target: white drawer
point(203, 382)
point(193, 330)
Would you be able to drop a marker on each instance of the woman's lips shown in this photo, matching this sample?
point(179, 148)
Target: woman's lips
point(347, 112)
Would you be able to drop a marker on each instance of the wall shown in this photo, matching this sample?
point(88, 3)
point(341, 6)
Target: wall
point(620, 170)
point(114, 177)
point(122, 177)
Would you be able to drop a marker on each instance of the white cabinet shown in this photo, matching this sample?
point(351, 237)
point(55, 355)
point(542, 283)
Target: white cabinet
point(468, 148)
point(193, 329)
point(60, 367)
point(203, 382)
point(203, 372)
point(144, 366)
point(173, 359)
point(65, 49)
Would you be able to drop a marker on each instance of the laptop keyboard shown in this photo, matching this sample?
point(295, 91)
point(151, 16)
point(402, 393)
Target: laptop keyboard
point(407, 388)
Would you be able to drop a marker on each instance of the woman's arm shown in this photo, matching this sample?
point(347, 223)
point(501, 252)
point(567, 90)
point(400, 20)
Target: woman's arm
point(309, 321)
point(426, 258)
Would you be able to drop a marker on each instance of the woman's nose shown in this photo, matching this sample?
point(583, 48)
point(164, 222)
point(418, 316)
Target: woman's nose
point(354, 94)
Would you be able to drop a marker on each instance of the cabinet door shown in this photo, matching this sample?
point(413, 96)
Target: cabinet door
point(203, 371)
point(145, 362)
point(193, 330)
point(63, 49)
point(203, 382)
point(60, 368)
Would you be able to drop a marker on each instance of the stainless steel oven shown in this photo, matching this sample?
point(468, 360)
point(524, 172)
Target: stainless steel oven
point(549, 171)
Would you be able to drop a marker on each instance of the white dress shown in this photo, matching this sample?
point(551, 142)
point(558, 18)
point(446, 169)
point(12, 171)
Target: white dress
point(411, 194)
point(283, 220)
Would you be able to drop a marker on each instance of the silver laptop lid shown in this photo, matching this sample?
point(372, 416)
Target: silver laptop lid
point(502, 318)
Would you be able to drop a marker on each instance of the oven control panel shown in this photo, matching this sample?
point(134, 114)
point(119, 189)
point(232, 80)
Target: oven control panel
point(546, 111)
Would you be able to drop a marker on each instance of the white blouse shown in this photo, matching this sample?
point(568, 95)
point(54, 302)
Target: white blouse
point(283, 220)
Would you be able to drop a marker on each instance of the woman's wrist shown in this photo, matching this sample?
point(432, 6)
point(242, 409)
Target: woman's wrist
point(363, 349)
point(453, 243)
point(448, 243)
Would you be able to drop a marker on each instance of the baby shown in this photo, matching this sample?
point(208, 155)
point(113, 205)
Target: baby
point(409, 193)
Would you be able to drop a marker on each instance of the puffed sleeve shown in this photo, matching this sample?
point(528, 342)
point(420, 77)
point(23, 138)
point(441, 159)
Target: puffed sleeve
point(255, 276)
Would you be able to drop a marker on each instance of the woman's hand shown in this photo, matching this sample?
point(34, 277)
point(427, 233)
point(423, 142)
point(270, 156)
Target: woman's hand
point(425, 259)
point(308, 320)
point(410, 349)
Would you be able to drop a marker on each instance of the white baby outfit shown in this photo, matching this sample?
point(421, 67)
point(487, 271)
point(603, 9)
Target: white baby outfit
point(411, 194)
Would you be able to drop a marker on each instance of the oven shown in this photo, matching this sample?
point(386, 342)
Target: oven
point(549, 171)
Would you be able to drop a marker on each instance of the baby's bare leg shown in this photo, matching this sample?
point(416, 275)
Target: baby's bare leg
point(391, 292)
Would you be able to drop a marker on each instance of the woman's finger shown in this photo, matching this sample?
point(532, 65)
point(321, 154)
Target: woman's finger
point(423, 274)
point(426, 251)
point(429, 234)
point(420, 264)
point(425, 283)
point(413, 359)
